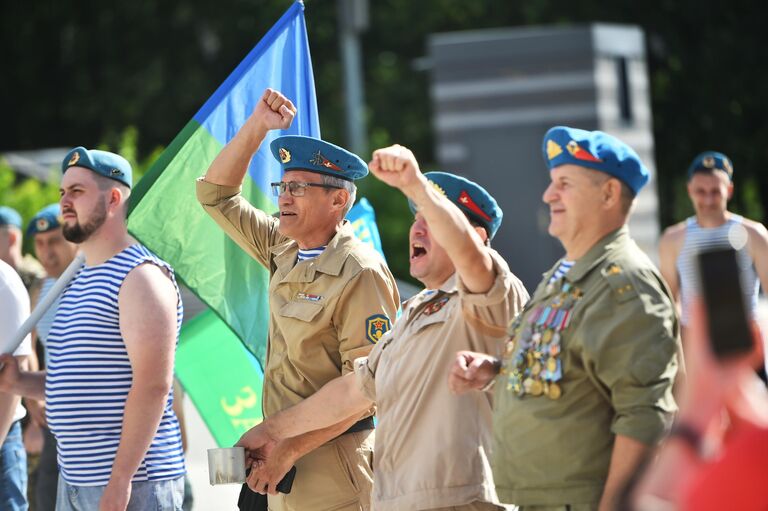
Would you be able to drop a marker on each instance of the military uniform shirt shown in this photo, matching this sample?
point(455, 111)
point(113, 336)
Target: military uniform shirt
point(324, 312)
point(432, 447)
point(592, 355)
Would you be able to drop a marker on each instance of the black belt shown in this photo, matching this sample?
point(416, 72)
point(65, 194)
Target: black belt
point(361, 425)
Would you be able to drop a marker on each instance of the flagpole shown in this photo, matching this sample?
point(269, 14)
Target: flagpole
point(44, 304)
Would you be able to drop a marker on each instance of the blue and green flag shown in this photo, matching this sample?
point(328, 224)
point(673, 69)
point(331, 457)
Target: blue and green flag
point(212, 365)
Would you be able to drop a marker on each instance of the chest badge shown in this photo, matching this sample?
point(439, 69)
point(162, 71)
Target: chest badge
point(375, 327)
point(436, 306)
point(308, 297)
point(533, 364)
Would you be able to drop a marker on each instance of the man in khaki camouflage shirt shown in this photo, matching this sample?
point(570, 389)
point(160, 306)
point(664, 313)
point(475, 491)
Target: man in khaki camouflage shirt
point(331, 298)
point(585, 387)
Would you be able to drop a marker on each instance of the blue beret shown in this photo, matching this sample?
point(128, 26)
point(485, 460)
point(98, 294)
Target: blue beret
point(295, 152)
point(104, 163)
point(472, 199)
point(595, 150)
point(45, 220)
point(9, 216)
point(711, 160)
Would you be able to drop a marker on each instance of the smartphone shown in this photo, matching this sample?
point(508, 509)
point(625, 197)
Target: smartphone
point(726, 312)
point(286, 483)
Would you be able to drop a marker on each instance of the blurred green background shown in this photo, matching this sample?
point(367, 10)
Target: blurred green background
point(128, 75)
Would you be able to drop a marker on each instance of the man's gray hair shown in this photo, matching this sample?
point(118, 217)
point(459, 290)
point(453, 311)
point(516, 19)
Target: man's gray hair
point(349, 186)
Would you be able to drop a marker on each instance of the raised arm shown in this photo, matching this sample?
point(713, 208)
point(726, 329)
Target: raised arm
point(147, 303)
point(397, 166)
point(273, 111)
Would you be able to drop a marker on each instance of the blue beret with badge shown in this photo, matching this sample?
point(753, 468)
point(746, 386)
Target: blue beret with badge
point(9, 216)
point(296, 152)
point(104, 163)
point(709, 161)
point(45, 220)
point(595, 150)
point(472, 199)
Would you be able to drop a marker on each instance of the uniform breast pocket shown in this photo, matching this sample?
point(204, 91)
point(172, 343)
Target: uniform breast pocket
point(303, 311)
point(435, 315)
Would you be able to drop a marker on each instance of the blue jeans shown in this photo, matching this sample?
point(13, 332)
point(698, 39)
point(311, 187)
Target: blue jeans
point(13, 472)
point(145, 495)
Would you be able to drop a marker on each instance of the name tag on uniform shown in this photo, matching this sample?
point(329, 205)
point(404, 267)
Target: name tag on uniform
point(309, 297)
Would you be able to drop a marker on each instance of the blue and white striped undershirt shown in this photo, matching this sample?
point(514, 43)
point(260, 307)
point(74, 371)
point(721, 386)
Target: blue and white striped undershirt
point(89, 376)
point(561, 270)
point(310, 253)
point(698, 239)
point(43, 326)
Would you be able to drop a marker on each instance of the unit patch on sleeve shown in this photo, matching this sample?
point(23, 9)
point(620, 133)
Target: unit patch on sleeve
point(375, 327)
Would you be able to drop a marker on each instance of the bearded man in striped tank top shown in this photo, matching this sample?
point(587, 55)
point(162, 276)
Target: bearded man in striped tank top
point(710, 187)
point(111, 348)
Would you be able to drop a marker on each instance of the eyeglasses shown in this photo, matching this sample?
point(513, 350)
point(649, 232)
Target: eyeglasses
point(297, 188)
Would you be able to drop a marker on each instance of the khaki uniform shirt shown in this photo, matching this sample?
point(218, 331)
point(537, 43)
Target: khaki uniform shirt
point(324, 312)
point(30, 271)
point(432, 447)
point(592, 355)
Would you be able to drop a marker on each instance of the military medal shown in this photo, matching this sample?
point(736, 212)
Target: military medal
point(536, 368)
point(554, 391)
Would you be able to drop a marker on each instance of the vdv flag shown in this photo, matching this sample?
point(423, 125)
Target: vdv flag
point(222, 378)
point(363, 220)
point(165, 214)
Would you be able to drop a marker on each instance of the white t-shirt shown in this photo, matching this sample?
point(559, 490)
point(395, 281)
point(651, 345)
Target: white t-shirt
point(14, 310)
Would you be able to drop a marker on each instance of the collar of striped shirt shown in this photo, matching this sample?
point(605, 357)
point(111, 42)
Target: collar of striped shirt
point(561, 270)
point(310, 253)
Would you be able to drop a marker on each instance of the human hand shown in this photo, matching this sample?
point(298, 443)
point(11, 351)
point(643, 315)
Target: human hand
point(258, 438)
point(711, 384)
point(115, 497)
point(396, 166)
point(268, 471)
point(9, 373)
point(472, 371)
point(273, 111)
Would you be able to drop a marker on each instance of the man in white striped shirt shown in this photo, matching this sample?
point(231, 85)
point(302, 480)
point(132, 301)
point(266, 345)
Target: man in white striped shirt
point(108, 383)
point(710, 187)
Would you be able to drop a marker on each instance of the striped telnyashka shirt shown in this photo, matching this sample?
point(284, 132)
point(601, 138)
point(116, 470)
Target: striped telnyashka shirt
point(44, 325)
point(698, 239)
point(561, 270)
point(310, 253)
point(89, 376)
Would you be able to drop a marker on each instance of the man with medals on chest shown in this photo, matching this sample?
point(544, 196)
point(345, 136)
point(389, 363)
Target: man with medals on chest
point(585, 386)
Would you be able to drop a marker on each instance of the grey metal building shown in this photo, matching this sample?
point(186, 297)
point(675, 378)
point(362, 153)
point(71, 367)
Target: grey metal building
point(496, 92)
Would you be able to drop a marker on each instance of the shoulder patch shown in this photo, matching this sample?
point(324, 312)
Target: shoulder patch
point(619, 280)
point(375, 327)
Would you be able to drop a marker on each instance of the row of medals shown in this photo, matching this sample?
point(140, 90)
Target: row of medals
point(537, 368)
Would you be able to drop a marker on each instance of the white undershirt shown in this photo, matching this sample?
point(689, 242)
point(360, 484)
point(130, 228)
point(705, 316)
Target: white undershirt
point(14, 310)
